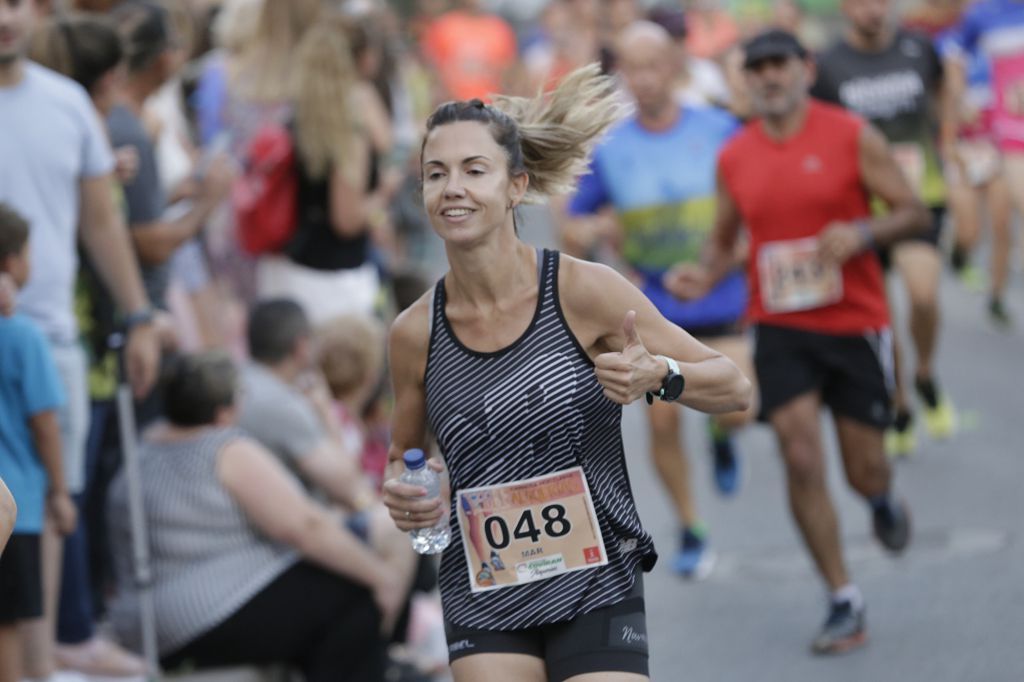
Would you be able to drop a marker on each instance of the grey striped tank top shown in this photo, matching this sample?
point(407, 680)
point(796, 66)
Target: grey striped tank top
point(207, 558)
point(532, 408)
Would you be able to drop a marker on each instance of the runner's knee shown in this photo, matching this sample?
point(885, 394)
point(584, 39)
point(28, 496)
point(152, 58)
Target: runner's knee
point(869, 475)
point(805, 466)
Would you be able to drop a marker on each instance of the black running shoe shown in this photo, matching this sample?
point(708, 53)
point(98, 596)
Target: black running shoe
point(843, 630)
point(997, 311)
point(892, 526)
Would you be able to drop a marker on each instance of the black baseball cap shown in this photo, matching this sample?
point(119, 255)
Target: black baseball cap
point(771, 44)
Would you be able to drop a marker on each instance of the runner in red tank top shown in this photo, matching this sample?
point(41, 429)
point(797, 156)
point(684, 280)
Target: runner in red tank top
point(799, 179)
point(815, 179)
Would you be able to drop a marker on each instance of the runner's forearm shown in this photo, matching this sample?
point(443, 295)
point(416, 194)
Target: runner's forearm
point(715, 386)
point(882, 177)
point(719, 258)
point(900, 223)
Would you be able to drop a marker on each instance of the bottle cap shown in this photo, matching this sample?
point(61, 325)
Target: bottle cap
point(414, 459)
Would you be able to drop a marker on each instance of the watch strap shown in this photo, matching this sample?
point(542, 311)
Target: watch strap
point(141, 316)
point(673, 368)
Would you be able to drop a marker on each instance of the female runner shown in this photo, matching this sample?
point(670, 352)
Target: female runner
point(519, 361)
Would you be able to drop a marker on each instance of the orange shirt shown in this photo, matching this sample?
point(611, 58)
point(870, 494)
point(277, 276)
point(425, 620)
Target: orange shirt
point(471, 52)
point(708, 36)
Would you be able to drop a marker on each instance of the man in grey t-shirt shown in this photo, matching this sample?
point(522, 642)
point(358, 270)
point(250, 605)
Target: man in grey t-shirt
point(302, 432)
point(280, 417)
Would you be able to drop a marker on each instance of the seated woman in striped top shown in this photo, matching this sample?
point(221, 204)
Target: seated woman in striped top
point(519, 361)
point(247, 568)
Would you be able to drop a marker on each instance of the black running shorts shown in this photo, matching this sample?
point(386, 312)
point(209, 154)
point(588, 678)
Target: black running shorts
point(611, 639)
point(853, 373)
point(21, 591)
point(932, 236)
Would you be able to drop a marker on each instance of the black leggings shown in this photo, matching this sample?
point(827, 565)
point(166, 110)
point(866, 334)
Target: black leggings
point(322, 624)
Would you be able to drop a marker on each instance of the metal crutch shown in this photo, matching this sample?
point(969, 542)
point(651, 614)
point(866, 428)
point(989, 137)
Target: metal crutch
point(142, 569)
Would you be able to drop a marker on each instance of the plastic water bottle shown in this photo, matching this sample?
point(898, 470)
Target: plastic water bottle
point(426, 540)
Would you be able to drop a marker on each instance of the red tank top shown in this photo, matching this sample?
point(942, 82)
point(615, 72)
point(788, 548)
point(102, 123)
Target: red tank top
point(786, 193)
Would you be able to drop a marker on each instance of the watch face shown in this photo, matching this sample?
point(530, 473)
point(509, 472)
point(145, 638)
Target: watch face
point(673, 386)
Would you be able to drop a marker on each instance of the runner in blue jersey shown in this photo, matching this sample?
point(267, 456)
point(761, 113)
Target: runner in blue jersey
point(992, 31)
point(978, 191)
point(656, 171)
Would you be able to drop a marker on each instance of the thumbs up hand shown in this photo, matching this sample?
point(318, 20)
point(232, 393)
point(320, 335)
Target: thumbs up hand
point(632, 372)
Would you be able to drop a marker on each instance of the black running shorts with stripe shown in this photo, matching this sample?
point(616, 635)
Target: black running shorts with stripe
point(854, 374)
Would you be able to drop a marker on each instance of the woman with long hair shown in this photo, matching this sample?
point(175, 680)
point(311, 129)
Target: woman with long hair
point(263, 68)
point(243, 89)
point(519, 361)
point(326, 266)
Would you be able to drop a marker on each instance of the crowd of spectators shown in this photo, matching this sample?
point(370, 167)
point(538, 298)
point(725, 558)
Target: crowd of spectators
point(125, 130)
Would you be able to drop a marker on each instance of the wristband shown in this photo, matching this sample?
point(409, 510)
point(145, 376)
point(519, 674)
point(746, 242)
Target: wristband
point(866, 235)
point(139, 317)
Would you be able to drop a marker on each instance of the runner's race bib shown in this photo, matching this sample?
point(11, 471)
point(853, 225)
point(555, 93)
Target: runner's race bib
point(910, 158)
point(981, 161)
point(794, 278)
point(529, 530)
point(1008, 112)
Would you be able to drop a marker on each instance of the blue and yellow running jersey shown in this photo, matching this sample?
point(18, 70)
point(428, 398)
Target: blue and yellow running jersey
point(662, 186)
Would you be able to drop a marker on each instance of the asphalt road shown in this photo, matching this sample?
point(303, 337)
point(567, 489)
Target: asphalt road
point(950, 610)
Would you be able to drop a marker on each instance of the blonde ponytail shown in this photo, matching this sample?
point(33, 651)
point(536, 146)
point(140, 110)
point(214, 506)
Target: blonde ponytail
point(558, 130)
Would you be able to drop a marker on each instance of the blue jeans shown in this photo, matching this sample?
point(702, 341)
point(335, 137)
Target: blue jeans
point(75, 617)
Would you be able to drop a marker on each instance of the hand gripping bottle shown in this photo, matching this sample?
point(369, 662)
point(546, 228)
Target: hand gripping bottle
point(426, 540)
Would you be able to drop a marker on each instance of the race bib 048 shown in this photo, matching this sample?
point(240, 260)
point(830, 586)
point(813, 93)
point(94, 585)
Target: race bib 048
point(793, 278)
point(521, 532)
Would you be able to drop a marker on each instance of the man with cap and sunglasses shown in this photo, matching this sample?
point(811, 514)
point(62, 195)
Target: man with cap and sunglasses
point(799, 178)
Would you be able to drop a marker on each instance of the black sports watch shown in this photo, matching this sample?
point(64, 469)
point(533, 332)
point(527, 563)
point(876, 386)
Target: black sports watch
point(671, 386)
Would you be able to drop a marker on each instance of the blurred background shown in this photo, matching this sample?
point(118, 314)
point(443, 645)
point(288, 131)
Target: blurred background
point(197, 98)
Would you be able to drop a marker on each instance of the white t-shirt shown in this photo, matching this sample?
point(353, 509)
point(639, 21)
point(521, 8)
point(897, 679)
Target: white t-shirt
point(706, 87)
point(50, 139)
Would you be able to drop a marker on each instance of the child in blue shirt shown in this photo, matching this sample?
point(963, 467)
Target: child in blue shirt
point(30, 451)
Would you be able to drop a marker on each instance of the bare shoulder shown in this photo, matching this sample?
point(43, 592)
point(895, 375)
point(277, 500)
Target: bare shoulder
point(242, 448)
point(409, 339)
point(587, 288)
point(411, 329)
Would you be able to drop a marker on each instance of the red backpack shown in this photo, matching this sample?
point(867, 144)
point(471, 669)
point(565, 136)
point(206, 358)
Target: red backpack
point(265, 195)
